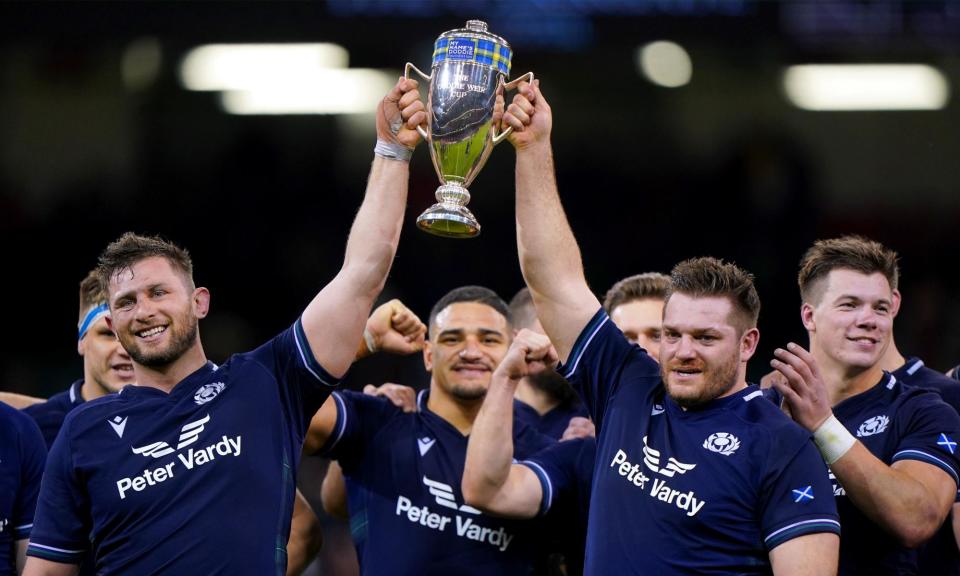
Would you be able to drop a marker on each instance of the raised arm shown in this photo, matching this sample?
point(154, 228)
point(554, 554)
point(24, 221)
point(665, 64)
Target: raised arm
point(909, 499)
point(491, 482)
point(391, 328)
point(549, 255)
point(333, 322)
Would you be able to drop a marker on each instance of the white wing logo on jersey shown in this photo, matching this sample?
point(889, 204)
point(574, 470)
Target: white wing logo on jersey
point(651, 459)
point(444, 494)
point(872, 426)
point(722, 443)
point(189, 434)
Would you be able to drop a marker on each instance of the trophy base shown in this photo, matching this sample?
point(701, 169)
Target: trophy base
point(450, 217)
point(449, 221)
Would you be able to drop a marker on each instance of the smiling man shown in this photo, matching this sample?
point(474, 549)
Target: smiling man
point(695, 472)
point(891, 447)
point(106, 365)
point(192, 469)
point(403, 469)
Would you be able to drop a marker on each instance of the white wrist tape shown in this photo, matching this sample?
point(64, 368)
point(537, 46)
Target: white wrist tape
point(833, 439)
point(392, 151)
point(368, 338)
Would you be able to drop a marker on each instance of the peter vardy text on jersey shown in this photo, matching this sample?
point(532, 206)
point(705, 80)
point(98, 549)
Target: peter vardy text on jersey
point(465, 527)
point(686, 501)
point(190, 459)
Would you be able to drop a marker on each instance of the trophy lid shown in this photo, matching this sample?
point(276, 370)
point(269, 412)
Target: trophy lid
point(474, 43)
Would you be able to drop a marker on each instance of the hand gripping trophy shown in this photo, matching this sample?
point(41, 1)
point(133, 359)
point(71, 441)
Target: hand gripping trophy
point(470, 69)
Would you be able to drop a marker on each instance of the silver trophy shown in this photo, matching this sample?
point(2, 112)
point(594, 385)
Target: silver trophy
point(470, 69)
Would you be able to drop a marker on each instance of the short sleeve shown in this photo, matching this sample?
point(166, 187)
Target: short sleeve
point(930, 430)
point(62, 524)
point(359, 418)
point(33, 455)
point(601, 359)
point(564, 470)
point(796, 493)
point(527, 440)
point(304, 383)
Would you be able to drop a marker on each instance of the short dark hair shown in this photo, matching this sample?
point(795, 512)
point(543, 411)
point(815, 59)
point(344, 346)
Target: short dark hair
point(851, 252)
point(653, 285)
point(522, 310)
point(706, 276)
point(478, 294)
point(124, 252)
point(91, 293)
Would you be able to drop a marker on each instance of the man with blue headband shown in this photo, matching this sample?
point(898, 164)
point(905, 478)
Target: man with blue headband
point(106, 370)
point(106, 365)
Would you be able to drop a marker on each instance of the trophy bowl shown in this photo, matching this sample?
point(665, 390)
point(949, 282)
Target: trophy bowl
point(470, 69)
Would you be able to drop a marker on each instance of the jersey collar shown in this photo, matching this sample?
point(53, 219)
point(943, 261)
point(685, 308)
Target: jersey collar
point(909, 368)
point(74, 393)
point(187, 384)
point(887, 383)
point(750, 393)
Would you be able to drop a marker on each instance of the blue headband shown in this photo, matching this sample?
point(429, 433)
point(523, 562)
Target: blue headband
point(92, 316)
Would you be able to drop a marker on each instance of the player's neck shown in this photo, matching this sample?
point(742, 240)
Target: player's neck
point(459, 413)
point(535, 398)
point(892, 359)
point(168, 376)
point(843, 381)
point(91, 389)
point(739, 386)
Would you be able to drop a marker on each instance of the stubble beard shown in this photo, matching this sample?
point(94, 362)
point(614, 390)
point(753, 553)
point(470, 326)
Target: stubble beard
point(181, 340)
point(717, 382)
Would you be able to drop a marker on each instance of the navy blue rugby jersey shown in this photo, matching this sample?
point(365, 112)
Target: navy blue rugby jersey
point(22, 454)
point(940, 554)
point(705, 491)
point(565, 471)
point(554, 422)
point(197, 481)
point(915, 373)
point(895, 422)
point(49, 415)
point(407, 514)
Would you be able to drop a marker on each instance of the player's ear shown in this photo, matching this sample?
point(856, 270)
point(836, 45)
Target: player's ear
point(806, 316)
point(896, 303)
point(748, 344)
point(201, 302)
point(428, 355)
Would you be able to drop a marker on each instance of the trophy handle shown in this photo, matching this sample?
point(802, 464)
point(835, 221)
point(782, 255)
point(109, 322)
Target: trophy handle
point(528, 77)
point(406, 74)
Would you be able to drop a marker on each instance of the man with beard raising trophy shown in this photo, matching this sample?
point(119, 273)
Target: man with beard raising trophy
point(192, 469)
point(695, 471)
